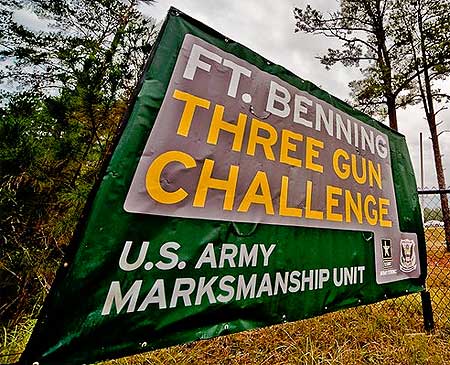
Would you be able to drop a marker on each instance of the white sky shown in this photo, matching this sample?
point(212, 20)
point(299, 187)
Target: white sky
point(267, 27)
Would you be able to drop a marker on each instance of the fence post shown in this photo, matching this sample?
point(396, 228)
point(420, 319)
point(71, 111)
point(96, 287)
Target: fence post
point(427, 311)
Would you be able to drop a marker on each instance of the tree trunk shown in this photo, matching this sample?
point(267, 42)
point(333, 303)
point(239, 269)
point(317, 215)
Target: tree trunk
point(440, 178)
point(392, 113)
point(383, 59)
point(431, 118)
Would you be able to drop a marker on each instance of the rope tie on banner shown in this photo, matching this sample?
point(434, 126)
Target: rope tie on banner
point(252, 111)
point(244, 234)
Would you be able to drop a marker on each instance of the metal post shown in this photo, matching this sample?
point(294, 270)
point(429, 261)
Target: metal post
point(421, 175)
point(427, 311)
point(421, 161)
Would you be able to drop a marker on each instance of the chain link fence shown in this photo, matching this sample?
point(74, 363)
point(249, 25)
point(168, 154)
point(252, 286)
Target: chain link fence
point(438, 255)
point(409, 311)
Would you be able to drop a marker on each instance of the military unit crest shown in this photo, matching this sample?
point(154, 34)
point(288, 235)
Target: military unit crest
point(408, 261)
point(407, 255)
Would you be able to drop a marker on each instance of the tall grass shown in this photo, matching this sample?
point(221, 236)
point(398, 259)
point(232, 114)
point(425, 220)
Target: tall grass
point(13, 339)
point(389, 332)
point(382, 333)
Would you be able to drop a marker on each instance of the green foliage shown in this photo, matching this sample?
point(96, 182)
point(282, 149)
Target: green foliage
point(375, 36)
point(96, 47)
point(25, 184)
point(364, 32)
point(67, 86)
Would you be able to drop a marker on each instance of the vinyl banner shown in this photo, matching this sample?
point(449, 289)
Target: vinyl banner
point(238, 196)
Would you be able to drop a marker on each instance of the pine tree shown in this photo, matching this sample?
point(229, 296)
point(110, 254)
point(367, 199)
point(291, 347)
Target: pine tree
point(66, 85)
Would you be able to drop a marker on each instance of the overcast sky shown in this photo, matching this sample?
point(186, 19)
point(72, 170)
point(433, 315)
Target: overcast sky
point(267, 27)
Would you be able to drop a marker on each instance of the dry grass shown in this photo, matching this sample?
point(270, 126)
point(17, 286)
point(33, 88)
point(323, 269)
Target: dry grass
point(13, 340)
point(389, 332)
point(377, 334)
point(438, 279)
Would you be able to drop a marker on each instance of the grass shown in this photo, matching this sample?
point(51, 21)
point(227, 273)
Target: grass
point(438, 279)
point(389, 332)
point(13, 340)
point(383, 333)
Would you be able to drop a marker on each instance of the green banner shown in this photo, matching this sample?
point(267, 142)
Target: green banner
point(238, 196)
